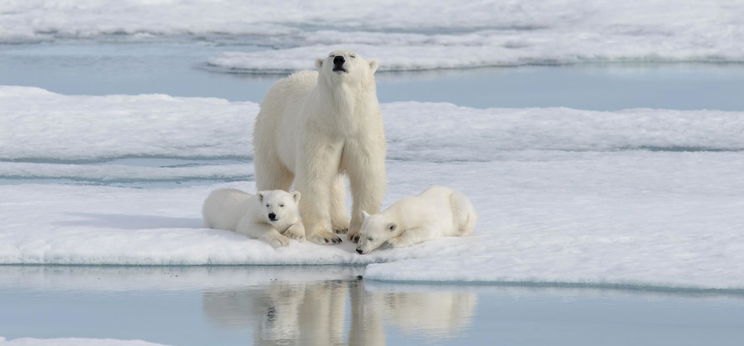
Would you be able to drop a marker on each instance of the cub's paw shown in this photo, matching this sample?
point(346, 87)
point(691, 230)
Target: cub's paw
point(354, 237)
point(277, 240)
point(295, 232)
point(325, 237)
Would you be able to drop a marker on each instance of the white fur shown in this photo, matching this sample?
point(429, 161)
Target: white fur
point(235, 210)
point(312, 128)
point(437, 212)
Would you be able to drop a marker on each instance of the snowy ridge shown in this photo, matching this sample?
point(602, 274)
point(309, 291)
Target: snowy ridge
point(406, 36)
point(73, 342)
point(119, 126)
point(165, 278)
point(112, 173)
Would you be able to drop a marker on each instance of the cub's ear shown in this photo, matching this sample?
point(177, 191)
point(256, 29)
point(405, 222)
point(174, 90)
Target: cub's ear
point(296, 195)
point(392, 227)
point(373, 65)
point(260, 196)
point(364, 215)
point(318, 63)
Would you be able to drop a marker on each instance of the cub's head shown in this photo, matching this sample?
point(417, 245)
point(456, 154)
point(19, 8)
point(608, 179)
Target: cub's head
point(279, 207)
point(345, 66)
point(376, 230)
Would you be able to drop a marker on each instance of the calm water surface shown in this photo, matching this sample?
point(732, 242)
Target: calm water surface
point(179, 69)
point(331, 305)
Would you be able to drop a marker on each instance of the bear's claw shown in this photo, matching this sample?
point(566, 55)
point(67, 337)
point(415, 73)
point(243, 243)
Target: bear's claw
point(354, 238)
point(341, 231)
point(326, 238)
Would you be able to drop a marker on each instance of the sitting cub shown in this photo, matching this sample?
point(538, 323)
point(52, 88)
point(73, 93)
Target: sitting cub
point(271, 216)
point(437, 212)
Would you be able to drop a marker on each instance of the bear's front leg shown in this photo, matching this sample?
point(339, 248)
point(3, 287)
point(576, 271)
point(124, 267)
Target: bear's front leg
point(263, 232)
point(406, 238)
point(296, 231)
point(318, 170)
point(366, 168)
point(339, 215)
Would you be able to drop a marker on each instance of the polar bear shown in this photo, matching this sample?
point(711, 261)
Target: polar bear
point(315, 126)
point(437, 212)
point(271, 216)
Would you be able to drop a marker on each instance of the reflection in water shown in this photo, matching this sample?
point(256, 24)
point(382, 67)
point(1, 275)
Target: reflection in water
point(313, 313)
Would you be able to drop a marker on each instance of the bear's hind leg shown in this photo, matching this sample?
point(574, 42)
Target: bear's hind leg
point(271, 174)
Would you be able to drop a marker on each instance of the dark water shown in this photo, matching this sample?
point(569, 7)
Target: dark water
point(180, 69)
point(332, 306)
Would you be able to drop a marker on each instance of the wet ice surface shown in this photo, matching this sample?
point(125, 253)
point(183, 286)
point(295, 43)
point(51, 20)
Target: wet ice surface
point(282, 305)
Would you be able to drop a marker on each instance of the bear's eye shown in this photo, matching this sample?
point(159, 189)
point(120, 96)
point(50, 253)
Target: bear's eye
point(281, 205)
point(331, 56)
point(352, 56)
point(268, 205)
point(370, 239)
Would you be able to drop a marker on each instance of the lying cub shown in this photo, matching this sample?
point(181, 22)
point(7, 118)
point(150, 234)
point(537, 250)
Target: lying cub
point(271, 216)
point(437, 212)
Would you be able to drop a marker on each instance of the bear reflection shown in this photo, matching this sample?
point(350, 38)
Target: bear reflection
point(313, 313)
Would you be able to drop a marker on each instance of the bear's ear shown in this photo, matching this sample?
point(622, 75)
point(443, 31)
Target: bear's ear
point(318, 63)
point(260, 196)
point(373, 65)
point(296, 195)
point(364, 215)
point(392, 227)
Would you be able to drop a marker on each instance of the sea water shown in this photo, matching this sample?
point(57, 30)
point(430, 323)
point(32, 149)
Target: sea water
point(335, 305)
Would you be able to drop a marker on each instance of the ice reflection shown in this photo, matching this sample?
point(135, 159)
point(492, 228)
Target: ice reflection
point(315, 313)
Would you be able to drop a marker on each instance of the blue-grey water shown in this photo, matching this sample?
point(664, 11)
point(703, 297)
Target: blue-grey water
point(331, 305)
point(179, 69)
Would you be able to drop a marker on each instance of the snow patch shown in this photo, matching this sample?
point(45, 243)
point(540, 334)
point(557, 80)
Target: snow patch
point(73, 342)
point(37, 125)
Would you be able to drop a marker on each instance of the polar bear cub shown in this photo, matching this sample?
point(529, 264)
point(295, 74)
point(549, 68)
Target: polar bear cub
point(272, 216)
point(437, 212)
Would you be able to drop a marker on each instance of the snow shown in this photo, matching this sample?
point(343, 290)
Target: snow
point(405, 36)
point(644, 197)
point(96, 127)
point(121, 126)
point(73, 342)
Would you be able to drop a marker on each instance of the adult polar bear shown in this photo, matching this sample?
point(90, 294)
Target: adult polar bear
point(313, 127)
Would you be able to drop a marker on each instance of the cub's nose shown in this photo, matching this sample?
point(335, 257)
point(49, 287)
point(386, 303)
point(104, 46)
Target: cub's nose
point(339, 60)
point(272, 216)
point(359, 251)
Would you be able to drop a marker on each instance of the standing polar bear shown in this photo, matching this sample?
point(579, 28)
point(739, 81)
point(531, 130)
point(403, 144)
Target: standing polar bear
point(437, 212)
point(313, 127)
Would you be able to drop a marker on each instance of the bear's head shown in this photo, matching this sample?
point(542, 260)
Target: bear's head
point(345, 66)
point(280, 207)
point(376, 230)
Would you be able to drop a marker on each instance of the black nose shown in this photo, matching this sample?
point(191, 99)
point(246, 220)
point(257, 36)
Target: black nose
point(339, 60)
point(359, 251)
point(272, 216)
